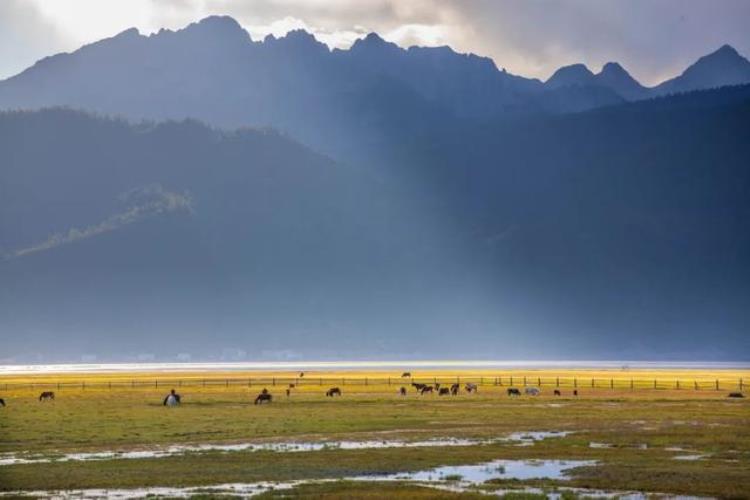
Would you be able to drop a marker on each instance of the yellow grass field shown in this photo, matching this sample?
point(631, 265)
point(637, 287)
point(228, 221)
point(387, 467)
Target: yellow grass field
point(642, 431)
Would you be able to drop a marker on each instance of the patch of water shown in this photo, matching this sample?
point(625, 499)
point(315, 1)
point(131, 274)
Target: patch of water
point(520, 438)
point(690, 457)
point(454, 478)
point(480, 473)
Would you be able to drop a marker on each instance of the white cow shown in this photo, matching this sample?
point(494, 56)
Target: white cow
point(532, 391)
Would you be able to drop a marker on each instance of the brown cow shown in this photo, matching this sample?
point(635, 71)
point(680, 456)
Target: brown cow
point(46, 396)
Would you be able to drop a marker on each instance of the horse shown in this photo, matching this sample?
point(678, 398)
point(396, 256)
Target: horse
point(444, 391)
point(426, 388)
point(512, 391)
point(471, 387)
point(263, 397)
point(454, 389)
point(532, 391)
point(406, 374)
point(333, 391)
point(46, 396)
point(402, 391)
point(557, 392)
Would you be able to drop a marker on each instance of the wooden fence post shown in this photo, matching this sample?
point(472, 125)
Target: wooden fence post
point(557, 382)
point(611, 383)
point(575, 382)
point(717, 384)
point(524, 381)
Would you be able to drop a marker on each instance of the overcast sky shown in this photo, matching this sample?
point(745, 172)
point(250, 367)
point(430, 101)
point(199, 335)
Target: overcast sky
point(653, 39)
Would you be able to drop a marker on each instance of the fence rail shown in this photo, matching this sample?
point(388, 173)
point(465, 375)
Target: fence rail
point(612, 383)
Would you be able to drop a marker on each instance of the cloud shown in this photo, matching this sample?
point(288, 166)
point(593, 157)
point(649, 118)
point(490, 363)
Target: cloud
point(144, 202)
point(25, 36)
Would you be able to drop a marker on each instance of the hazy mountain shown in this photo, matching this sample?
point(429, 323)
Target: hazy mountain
point(619, 232)
point(338, 101)
point(722, 67)
point(614, 76)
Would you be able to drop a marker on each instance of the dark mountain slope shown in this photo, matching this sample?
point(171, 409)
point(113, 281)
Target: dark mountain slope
point(616, 233)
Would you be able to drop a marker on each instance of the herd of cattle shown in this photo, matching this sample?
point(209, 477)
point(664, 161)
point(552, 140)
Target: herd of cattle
point(174, 399)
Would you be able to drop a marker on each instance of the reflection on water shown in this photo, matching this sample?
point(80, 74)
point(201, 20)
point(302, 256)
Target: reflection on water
point(518, 438)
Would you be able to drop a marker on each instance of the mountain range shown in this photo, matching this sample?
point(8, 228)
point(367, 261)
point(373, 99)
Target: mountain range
point(284, 201)
point(213, 71)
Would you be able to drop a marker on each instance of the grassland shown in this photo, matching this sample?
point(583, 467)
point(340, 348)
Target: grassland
point(642, 427)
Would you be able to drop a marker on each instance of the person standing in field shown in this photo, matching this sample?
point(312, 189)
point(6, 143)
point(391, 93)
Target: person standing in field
point(172, 399)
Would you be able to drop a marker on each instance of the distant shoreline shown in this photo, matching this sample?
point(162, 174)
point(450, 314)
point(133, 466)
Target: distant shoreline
point(21, 369)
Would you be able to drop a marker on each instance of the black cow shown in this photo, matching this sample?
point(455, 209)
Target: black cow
point(736, 395)
point(402, 391)
point(454, 389)
point(575, 392)
point(444, 391)
point(512, 391)
point(172, 394)
point(46, 396)
point(406, 374)
point(2, 402)
point(426, 388)
point(333, 391)
point(557, 392)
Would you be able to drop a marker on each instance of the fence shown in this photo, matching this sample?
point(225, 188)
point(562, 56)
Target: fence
point(612, 383)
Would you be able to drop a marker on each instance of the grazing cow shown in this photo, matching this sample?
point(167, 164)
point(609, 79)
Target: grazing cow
point(406, 374)
point(46, 396)
point(444, 391)
point(575, 392)
point(512, 391)
point(454, 389)
point(471, 388)
point(263, 398)
point(418, 387)
point(291, 386)
point(333, 391)
point(172, 399)
point(288, 392)
point(532, 391)
point(402, 391)
point(557, 392)
point(426, 388)
point(2, 402)
point(301, 374)
point(736, 395)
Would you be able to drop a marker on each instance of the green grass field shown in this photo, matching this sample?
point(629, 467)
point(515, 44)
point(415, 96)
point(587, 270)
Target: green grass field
point(641, 429)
